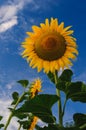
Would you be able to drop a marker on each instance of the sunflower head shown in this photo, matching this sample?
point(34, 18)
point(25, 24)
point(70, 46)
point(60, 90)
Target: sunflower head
point(33, 123)
point(35, 88)
point(50, 46)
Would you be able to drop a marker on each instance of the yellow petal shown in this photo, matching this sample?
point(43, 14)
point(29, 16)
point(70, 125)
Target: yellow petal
point(32, 62)
point(65, 29)
point(57, 67)
point(68, 33)
point(66, 61)
point(46, 66)
point(42, 25)
point(31, 55)
point(71, 43)
point(29, 33)
point(60, 27)
point(70, 37)
point(69, 55)
point(36, 29)
point(47, 22)
point(53, 24)
point(29, 40)
point(72, 50)
point(40, 65)
point(52, 66)
point(61, 63)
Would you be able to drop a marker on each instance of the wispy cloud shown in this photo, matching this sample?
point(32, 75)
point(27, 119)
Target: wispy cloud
point(4, 104)
point(9, 12)
point(10, 85)
point(81, 77)
point(8, 24)
point(8, 17)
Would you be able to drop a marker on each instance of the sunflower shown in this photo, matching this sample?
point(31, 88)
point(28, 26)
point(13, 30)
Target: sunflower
point(33, 123)
point(35, 88)
point(50, 47)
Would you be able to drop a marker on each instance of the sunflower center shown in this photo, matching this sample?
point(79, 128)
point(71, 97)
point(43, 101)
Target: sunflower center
point(50, 46)
point(49, 43)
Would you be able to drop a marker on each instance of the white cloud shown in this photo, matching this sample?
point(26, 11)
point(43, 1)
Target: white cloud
point(8, 17)
point(8, 14)
point(41, 123)
point(8, 24)
point(4, 105)
point(10, 85)
point(81, 77)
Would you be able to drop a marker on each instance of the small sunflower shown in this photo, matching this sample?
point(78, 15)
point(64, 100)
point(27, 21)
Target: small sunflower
point(50, 46)
point(35, 88)
point(33, 123)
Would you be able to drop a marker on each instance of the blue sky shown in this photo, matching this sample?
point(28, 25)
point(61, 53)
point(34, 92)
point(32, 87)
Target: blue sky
point(16, 18)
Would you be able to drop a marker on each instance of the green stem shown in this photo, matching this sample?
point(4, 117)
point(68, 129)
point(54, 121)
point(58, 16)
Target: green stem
point(60, 117)
point(19, 127)
point(11, 114)
point(83, 126)
point(64, 107)
point(59, 108)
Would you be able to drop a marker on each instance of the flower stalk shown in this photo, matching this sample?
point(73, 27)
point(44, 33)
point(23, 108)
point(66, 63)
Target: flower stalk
point(60, 117)
point(11, 114)
point(19, 127)
point(64, 107)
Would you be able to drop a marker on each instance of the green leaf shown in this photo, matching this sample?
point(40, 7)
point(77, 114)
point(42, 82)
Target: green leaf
point(40, 106)
point(22, 115)
point(61, 85)
point(1, 125)
point(15, 95)
point(76, 91)
point(79, 119)
point(71, 128)
point(66, 75)
point(24, 83)
point(25, 124)
point(1, 118)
